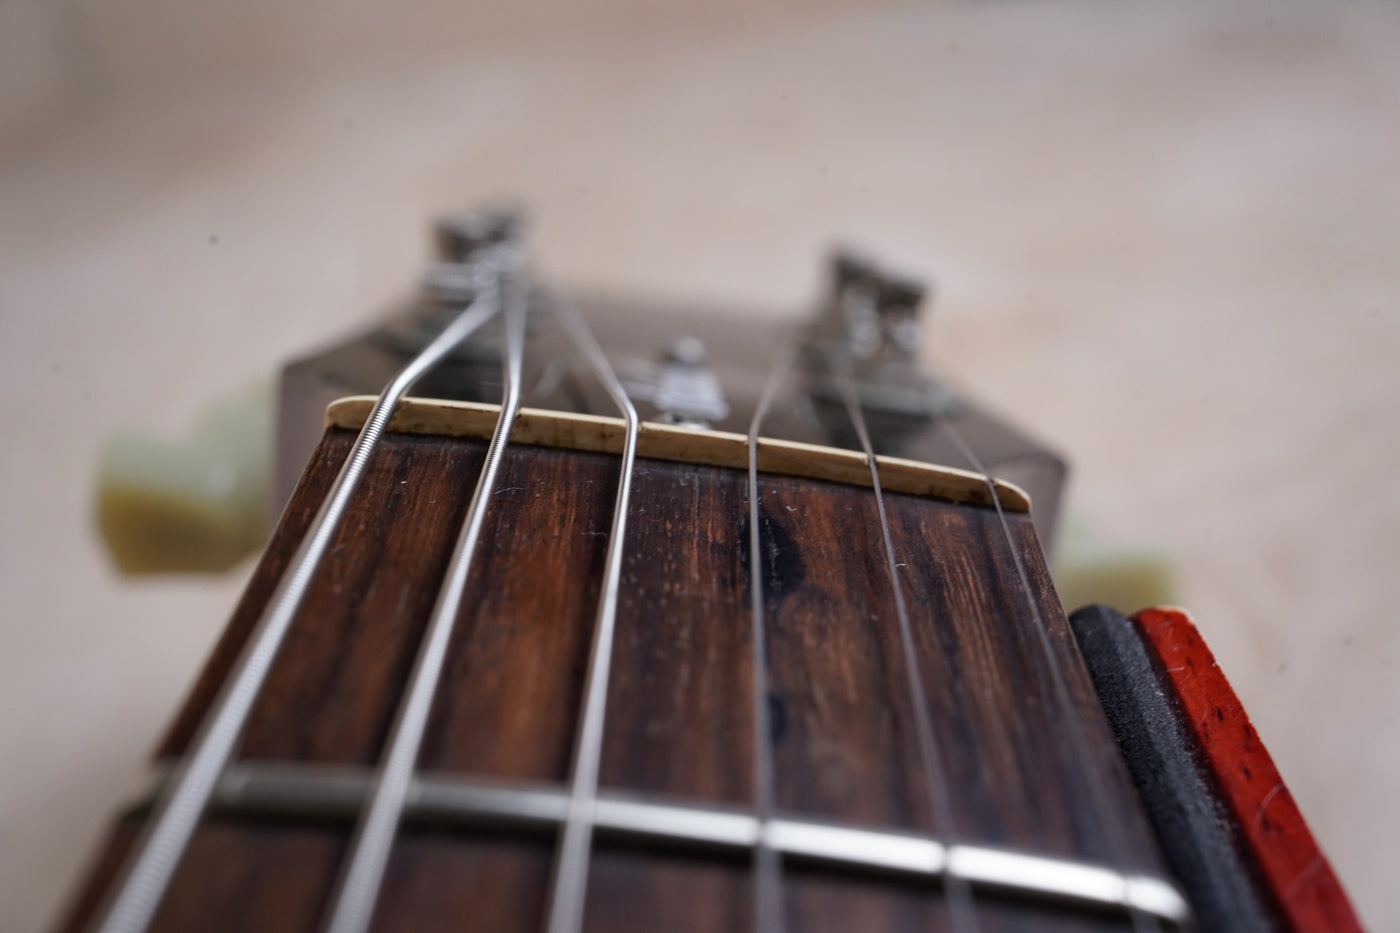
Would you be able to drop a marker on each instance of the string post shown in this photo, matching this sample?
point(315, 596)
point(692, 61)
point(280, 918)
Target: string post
point(872, 322)
point(463, 236)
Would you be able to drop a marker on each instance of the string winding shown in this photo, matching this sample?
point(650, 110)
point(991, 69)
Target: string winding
point(379, 823)
point(177, 812)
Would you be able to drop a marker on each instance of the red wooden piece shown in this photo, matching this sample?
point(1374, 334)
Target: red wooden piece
point(1294, 868)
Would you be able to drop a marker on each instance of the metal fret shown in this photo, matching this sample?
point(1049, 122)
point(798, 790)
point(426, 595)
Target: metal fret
point(328, 792)
point(768, 901)
point(960, 906)
point(177, 813)
point(571, 866)
point(374, 838)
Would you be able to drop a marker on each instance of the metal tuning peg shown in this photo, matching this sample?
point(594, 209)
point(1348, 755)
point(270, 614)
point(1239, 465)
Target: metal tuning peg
point(464, 242)
point(680, 386)
point(461, 237)
point(868, 329)
point(870, 315)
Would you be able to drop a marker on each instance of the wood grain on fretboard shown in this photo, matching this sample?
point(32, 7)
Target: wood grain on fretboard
point(680, 708)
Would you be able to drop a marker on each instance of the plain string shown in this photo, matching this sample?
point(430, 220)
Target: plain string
point(961, 907)
point(767, 873)
point(571, 865)
point(1113, 828)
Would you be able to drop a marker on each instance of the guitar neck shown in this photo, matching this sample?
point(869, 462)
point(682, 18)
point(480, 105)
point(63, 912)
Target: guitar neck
point(529, 670)
point(1017, 769)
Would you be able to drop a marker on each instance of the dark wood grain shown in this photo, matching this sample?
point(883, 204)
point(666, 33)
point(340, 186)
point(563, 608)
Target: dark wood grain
point(1021, 769)
point(664, 891)
point(438, 881)
point(507, 704)
point(333, 690)
point(681, 661)
point(845, 744)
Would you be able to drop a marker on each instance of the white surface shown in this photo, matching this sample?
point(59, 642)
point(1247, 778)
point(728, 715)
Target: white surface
point(1165, 235)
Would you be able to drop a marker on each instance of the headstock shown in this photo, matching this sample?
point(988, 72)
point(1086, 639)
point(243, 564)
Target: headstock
point(688, 365)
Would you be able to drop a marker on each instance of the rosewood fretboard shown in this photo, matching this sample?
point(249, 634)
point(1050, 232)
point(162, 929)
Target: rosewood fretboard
point(1022, 771)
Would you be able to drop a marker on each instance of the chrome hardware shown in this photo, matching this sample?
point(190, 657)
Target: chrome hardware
point(680, 386)
point(465, 241)
point(469, 244)
point(869, 329)
point(461, 237)
point(876, 312)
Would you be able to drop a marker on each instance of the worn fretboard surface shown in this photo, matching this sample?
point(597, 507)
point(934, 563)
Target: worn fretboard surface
point(1021, 770)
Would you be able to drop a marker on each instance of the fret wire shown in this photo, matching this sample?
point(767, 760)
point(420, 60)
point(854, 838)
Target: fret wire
point(768, 902)
point(177, 813)
point(1113, 828)
point(379, 822)
point(291, 791)
point(571, 864)
point(961, 908)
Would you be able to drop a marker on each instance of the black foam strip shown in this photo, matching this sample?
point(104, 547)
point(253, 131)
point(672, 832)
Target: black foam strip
point(1199, 838)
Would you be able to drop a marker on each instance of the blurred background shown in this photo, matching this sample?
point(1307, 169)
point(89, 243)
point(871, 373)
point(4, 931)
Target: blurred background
point(1166, 237)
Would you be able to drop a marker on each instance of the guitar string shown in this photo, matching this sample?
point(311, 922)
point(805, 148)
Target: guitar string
point(373, 842)
point(571, 863)
point(177, 813)
point(129, 912)
point(767, 877)
point(961, 908)
point(1113, 827)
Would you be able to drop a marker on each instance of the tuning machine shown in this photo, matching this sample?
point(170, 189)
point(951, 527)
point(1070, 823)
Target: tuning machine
point(867, 332)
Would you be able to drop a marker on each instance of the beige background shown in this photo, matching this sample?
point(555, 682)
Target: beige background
point(1166, 234)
